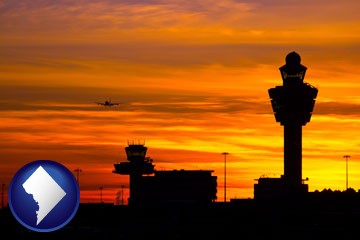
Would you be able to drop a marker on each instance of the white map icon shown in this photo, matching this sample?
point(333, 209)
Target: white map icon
point(46, 192)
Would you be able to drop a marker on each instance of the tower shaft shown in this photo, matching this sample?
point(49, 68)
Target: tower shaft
point(293, 153)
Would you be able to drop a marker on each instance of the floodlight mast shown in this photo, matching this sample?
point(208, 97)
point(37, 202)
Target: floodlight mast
point(347, 171)
point(225, 154)
point(78, 170)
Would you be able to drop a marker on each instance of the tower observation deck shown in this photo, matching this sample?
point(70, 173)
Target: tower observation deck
point(293, 104)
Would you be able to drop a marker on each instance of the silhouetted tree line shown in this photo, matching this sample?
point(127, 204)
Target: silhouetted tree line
point(329, 191)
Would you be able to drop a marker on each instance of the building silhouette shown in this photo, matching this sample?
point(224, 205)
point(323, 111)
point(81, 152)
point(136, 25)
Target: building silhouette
point(293, 104)
point(165, 187)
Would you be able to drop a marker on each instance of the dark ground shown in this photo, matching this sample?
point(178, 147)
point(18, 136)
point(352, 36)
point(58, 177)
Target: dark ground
point(320, 218)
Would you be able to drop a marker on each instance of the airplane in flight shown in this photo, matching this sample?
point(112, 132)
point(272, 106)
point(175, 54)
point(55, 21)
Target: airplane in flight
point(107, 103)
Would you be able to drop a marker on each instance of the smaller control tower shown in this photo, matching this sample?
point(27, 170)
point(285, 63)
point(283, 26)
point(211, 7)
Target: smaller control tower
point(164, 187)
point(138, 165)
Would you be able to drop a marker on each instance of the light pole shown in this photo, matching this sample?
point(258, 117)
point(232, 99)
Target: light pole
point(101, 188)
point(122, 194)
point(2, 195)
point(78, 170)
point(347, 172)
point(225, 154)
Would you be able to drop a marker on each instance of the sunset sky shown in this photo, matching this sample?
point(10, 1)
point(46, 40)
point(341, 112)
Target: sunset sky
point(192, 79)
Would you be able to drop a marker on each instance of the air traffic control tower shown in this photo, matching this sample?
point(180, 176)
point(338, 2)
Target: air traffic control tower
point(293, 104)
point(149, 187)
point(138, 165)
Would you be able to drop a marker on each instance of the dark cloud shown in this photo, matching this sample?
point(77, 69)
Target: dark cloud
point(77, 56)
point(151, 56)
point(62, 16)
point(192, 21)
point(17, 98)
point(25, 98)
point(337, 108)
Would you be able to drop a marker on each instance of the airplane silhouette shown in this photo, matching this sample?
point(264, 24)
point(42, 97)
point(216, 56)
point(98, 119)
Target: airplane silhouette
point(107, 103)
